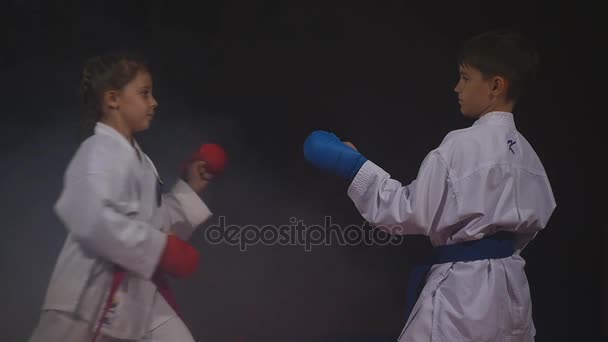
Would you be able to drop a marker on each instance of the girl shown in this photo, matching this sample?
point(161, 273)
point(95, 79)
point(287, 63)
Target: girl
point(124, 236)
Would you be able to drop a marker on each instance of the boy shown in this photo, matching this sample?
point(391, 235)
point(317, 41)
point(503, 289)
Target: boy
point(480, 197)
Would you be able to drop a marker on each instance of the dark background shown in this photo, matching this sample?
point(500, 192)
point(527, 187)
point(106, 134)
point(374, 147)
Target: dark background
point(257, 77)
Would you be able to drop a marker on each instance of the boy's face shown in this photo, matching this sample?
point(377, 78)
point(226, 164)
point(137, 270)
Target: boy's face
point(474, 93)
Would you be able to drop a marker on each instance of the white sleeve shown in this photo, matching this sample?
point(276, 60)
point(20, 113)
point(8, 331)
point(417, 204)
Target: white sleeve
point(91, 210)
point(418, 208)
point(183, 210)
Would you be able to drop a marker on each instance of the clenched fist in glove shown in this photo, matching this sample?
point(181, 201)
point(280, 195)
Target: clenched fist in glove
point(179, 258)
point(327, 152)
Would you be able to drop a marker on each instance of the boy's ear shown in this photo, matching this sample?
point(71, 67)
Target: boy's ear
point(110, 98)
point(499, 85)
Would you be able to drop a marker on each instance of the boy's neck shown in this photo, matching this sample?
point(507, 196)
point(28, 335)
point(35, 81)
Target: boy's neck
point(499, 107)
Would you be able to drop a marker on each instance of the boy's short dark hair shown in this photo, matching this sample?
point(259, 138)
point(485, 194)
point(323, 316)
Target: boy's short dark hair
point(503, 53)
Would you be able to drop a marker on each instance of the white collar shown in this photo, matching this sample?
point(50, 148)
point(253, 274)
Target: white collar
point(496, 118)
point(101, 128)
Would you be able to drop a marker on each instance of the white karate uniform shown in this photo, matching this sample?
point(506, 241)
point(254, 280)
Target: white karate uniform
point(110, 207)
point(480, 180)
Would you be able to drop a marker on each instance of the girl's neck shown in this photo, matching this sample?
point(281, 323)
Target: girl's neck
point(118, 125)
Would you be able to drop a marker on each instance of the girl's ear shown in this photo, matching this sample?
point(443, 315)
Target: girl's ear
point(110, 99)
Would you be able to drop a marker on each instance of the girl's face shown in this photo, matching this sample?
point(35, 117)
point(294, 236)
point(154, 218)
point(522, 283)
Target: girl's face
point(135, 104)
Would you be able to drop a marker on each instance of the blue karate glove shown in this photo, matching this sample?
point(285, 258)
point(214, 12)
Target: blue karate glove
point(327, 152)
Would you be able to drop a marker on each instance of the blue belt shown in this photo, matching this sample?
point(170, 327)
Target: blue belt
point(497, 246)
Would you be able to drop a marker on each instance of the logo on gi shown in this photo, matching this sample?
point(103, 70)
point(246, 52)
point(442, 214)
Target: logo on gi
point(511, 143)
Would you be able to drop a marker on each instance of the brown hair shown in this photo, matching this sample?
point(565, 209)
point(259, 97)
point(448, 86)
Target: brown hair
point(503, 53)
point(111, 71)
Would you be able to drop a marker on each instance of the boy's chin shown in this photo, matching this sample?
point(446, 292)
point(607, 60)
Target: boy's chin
point(469, 115)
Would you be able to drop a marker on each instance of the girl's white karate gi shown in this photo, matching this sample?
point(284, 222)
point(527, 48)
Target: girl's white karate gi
point(111, 208)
